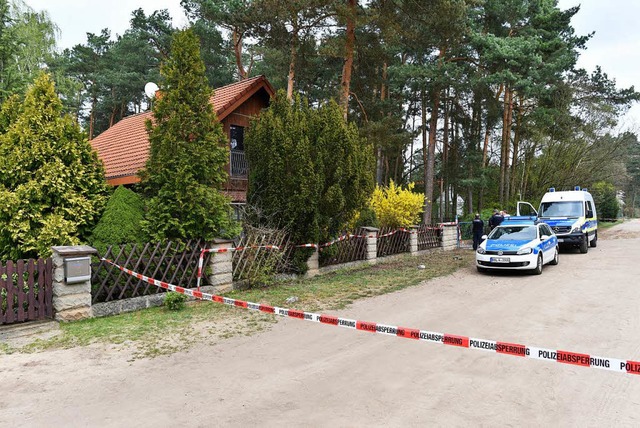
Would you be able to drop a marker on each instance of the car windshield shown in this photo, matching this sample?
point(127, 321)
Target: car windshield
point(561, 209)
point(514, 233)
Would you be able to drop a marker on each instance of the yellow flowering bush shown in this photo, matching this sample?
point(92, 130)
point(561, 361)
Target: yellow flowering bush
point(395, 206)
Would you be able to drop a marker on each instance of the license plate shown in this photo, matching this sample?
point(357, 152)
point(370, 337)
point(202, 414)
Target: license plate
point(560, 240)
point(500, 260)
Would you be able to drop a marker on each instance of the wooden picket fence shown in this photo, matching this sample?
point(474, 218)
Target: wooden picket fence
point(392, 240)
point(26, 290)
point(429, 236)
point(173, 262)
point(350, 249)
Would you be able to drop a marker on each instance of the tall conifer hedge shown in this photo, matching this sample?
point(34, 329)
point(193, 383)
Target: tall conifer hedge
point(188, 153)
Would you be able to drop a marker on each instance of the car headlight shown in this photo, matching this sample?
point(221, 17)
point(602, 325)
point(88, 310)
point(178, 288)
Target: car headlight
point(522, 251)
point(577, 229)
point(481, 250)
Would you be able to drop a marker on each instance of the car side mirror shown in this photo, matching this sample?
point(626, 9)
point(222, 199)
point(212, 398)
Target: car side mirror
point(589, 214)
point(544, 238)
point(484, 237)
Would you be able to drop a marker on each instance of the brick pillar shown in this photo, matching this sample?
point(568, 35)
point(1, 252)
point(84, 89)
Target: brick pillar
point(313, 266)
point(221, 265)
point(449, 237)
point(413, 239)
point(71, 301)
point(371, 234)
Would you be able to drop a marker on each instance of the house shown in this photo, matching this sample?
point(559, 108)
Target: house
point(124, 148)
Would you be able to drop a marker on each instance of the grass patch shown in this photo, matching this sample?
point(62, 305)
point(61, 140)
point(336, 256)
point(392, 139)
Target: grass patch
point(158, 331)
point(608, 224)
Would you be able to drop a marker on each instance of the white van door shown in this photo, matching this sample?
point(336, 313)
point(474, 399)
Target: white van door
point(526, 209)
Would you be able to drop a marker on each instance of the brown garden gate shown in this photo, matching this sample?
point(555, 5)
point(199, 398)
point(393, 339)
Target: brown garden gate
point(26, 291)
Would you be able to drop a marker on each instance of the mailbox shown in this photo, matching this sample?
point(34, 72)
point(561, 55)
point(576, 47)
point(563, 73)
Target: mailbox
point(77, 269)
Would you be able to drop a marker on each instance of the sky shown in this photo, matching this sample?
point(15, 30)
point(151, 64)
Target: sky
point(615, 45)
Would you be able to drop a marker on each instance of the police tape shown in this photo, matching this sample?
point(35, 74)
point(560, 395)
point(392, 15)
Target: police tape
point(514, 349)
point(393, 232)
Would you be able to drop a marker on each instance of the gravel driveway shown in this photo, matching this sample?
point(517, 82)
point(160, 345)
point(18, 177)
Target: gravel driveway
point(316, 375)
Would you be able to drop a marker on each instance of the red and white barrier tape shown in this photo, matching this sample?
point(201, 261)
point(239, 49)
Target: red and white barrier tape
point(514, 349)
point(396, 231)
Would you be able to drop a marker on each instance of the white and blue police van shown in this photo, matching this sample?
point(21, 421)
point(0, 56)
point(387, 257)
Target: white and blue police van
point(570, 214)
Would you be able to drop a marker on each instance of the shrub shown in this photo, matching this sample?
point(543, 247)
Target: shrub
point(604, 196)
point(395, 206)
point(310, 171)
point(120, 222)
point(174, 301)
point(52, 185)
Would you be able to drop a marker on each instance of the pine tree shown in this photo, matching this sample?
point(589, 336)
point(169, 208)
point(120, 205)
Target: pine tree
point(188, 152)
point(52, 184)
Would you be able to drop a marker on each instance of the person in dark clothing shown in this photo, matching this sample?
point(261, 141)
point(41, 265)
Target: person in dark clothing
point(478, 230)
point(495, 219)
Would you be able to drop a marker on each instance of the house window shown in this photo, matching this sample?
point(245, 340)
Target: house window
point(238, 210)
point(237, 137)
point(238, 162)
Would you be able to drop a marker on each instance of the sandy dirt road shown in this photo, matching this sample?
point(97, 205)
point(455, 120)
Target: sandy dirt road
point(316, 375)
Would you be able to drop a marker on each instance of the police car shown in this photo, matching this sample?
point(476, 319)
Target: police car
point(520, 243)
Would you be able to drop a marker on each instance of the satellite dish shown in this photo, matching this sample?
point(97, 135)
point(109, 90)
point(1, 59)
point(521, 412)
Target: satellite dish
point(150, 89)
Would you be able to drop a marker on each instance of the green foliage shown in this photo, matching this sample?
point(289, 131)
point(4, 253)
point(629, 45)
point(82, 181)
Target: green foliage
point(52, 186)
point(121, 221)
point(310, 170)
point(395, 206)
point(188, 152)
point(27, 42)
point(284, 183)
point(174, 301)
point(345, 164)
point(604, 196)
point(283, 179)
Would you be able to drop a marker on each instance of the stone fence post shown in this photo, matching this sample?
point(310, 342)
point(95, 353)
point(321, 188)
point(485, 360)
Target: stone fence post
point(221, 265)
point(313, 264)
point(413, 239)
point(72, 286)
point(449, 237)
point(371, 234)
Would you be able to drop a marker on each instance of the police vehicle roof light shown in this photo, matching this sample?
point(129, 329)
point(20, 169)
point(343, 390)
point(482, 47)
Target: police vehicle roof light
point(576, 188)
point(585, 190)
point(552, 189)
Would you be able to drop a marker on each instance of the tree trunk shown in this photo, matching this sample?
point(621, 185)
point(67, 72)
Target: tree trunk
point(237, 50)
point(345, 84)
point(504, 147)
point(507, 169)
point(430, 161)
point(516, 144)
point(92, 117)
point(383, 96)
point(445, 155)
point(292, 59)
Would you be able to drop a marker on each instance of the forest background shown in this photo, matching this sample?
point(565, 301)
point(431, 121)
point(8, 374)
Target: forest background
point(478, 99)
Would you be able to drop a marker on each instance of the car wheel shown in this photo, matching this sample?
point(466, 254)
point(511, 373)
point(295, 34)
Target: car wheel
point(584, 245)
point(594, 242)
point(538, 269)
point(555, 258)
point(481, 269)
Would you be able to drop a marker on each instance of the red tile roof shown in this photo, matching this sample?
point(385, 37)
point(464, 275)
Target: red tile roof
point(124, 148)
